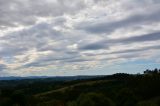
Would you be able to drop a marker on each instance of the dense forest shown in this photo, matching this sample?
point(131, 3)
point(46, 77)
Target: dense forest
point(112, 90)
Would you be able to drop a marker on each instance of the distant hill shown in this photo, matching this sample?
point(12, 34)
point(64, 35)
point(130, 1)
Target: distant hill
point(58, 78)
point(112, 90)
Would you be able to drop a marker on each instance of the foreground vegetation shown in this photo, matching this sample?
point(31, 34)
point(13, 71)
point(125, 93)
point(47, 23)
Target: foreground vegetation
point(114, 90)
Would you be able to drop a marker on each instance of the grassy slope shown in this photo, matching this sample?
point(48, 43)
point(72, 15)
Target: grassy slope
point(132, 89)
point(63, 89)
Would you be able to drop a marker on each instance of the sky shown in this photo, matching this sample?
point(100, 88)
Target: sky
point(78, 37)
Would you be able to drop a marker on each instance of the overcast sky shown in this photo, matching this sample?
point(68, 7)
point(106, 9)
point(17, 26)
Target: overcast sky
point(78, 37)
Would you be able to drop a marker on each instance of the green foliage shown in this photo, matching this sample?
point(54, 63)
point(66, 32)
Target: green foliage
point(147, 104)
point(114, 90)
point(152, 102)
point(92, 99)
point(72, 103)
point(5, 102)
point(126, 97)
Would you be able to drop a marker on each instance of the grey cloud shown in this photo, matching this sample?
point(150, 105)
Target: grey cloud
point(141, 38)
point(130, 56)
point(59, 20)
point(16, 12)
point(126, 56)
point(102, 45)
point(59, 40)
point(77, 60)
point(24, 40)
point(11, 50)
point(109, 27)
point(2, 67)
point(135, 39)
point(138, 50)
point(49, 60)
point(37, 37)
point(93, 46)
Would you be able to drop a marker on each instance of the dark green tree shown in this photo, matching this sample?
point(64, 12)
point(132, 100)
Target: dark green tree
point(92, 99)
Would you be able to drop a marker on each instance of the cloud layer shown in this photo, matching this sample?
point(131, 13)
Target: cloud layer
point(59, 37)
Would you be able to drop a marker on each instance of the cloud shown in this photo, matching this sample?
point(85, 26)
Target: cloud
point(16, 13)
point(2, 67)
point(143, 38)
point(135, 39)
point(155, 47)
point(94, 46)
point(135, 19)
point(108, 27)
point(45, 37)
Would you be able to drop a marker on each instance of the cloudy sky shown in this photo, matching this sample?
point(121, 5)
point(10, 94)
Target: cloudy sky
point(78, 37)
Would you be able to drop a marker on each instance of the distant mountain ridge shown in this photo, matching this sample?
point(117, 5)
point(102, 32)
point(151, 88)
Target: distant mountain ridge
point(53, 77)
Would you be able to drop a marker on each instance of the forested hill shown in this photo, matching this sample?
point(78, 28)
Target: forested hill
point(114, 90)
